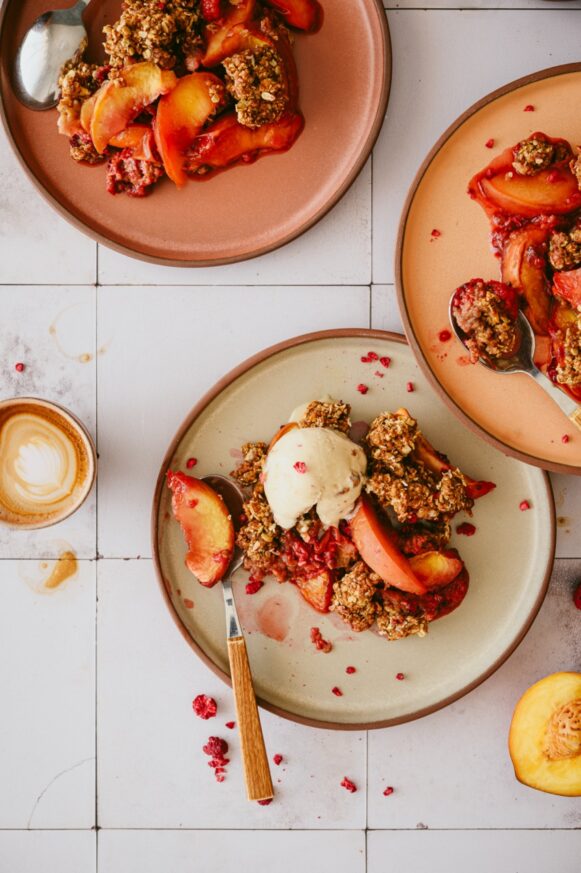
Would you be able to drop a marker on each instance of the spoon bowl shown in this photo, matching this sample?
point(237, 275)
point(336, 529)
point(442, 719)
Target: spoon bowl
point(522, 361)
point(53, 39)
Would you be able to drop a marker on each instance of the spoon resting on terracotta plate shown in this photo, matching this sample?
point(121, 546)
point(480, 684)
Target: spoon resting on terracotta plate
point(256, 767)
point(522, 362)
point(52, 40)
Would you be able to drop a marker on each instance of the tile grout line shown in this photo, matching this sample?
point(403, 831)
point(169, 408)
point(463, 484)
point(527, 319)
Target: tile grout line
point(96, 808)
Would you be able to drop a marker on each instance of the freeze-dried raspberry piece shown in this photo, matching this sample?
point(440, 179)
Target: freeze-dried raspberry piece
point(205, 707)
point(350, 786)
point(321, 644)
point(215, 747)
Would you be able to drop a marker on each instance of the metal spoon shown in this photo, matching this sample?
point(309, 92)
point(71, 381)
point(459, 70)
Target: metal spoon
point(48, 44)
point(256, 767)
point(522, 362)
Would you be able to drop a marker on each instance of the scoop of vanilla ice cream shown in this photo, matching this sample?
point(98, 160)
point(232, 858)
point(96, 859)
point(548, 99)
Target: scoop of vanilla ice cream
point(313, 466)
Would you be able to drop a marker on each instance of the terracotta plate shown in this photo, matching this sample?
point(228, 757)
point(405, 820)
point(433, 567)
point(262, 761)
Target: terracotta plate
point(509, 558)
point(248, 210)
point(510, 411)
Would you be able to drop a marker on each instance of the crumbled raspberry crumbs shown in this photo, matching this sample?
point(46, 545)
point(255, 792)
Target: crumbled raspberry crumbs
point(300, 467)
point(205, 707)
point(189, 604)
point(373, 356)
point(337, 691)
point(466, 528)
point(524, 505)
point(489, 143)
point(230, 725)
point(254, 586)
point(265, 802)
point(436, 233)
point(191, 462)
point(388, 791)
point(278, 759)
point(365, 359)
point(577, 596)
point(565, 438)
point(193, 503)
point(400, 676)
point(410, 387)
point(444, 336)
point(529, 108)
point(385, 361)
point(320, 643)
point(363, 389)
point(19, 367)
point(377, 373)
point(350, 786)
point(350, 670)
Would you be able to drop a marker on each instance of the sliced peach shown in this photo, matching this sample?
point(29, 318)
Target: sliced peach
point(317, 590)
point(302, 14)
point(498, 187)
point(281, 432)
point(87, 110)
point(375, 543)
point(218, 34)
point(524, 267)
point(545, 735)
point(180, 117)
point(206, 525)
point(567, 285)
point(436, 569)
point(121, 100)
point(139, 139)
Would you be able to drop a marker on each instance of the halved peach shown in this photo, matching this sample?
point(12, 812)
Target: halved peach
point(139, 139)
point(498, 187)
point(180, 116)
point(206, 525)
point(524, 267)
point(436, 569)
point(567, 285)
point(545, 735)
point(376, 544)
point(121, 100)
point(218, 34)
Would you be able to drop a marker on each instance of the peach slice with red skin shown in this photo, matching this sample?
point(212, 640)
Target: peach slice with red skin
point(567, 286)
point(376, 544)
point(523, 267)
point(498, 187)
point(139, 139)
point(302, 14)
point(206, 524)
point(218, 34)
point(180, 116)
point(119, 101)
point(436, 569)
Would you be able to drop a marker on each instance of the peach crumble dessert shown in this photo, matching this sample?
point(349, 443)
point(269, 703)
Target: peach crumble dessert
point(188, 88)
point(531, 193)
point(360, 530)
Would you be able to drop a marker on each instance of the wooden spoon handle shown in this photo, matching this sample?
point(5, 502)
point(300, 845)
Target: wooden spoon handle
point(256, 769)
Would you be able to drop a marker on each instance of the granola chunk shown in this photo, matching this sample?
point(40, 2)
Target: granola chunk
point(575, 167)
point(255, 79)
point(161, 31)
point(77, 81)
point(260, 536)
point(481, 314)
point(82, 150)
point(535, 154)
point(391, 438)
point(249, 469)
point(331, 414)
point(565, 249)
point(569, 368)
point(400, 615)
point(353, 597)
point(452, 494)
point(412, 496)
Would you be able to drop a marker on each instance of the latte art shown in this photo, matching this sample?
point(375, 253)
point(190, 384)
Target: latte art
point(38, 464)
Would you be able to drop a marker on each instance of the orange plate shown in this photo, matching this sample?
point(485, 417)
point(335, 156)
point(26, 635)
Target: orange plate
point(511, 412)
point(248, 210)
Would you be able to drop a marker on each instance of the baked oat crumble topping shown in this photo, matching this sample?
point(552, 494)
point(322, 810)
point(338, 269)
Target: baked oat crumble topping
point(334, 415)
point(488, 327)
point(533, 155)
point(255, 79)
point(565, 249)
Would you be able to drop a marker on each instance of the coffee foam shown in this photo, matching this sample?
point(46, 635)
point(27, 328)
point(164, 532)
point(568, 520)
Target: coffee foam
point(44, 464)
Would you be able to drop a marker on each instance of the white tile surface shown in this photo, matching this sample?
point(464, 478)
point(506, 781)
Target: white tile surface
point(47, 682)
point(452, 770)
point(443, 62)
point(335, 251)
point(47, 852)
point(220, 851)
point(37, 244)
point(476, 851)
point(567, 491)
point(165, 348)
point(151, 769)
point(49, 330)
point(384, 310)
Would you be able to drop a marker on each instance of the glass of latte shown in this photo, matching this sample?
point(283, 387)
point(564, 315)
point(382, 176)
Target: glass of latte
point(47, 463)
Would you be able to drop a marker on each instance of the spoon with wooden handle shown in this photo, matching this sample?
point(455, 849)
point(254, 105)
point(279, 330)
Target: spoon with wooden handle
point(522, 362)
point(256, 767)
